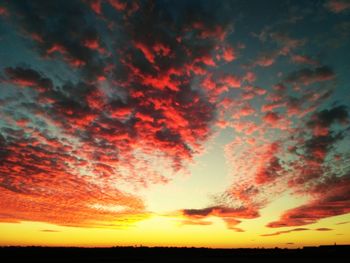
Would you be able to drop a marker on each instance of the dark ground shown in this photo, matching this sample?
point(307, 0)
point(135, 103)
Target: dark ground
point(145, 254)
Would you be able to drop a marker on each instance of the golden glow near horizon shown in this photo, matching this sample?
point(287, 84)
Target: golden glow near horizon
point(165, 231)
point(161, 230)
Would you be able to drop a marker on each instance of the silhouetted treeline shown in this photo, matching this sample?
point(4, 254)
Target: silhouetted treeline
point(170, 254)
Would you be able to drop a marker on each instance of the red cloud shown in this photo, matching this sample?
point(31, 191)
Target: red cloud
point(56, 48)
point(304, 60)
point(40, 177)
point(147, 52)
point(68, 57)
point(331, 198)
point(230, 81)
point(265, 60)
point(272, 118)
point(28, 78)
point(3, 11)
point(308, 76)
point(338, 6)
point(205, 32)
point(250, 77)
point(129, 6)
point(247, 127)
point(94, 44)
point(270, 172)
point(118, 5)
point(95, 6)
point(161, 82)
point(172, 124)
point(310, 214)
point(271, 106)
point(161, 49)
point(246, 110)
point(228, 54)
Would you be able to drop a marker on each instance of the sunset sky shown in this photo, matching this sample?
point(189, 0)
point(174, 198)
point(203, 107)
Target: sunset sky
point(175, 123)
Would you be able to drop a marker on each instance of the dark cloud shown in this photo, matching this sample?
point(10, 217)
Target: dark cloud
point(322, 121)
point(221, 211)
point(270, 172)
point(285, 232)
point(323, 229)
point(62, 31)
point(308, 76)
point(343, 223)
point(321, 143)
point(331, 198)
point(49, 231)
point(228, 214)
point(26, 77)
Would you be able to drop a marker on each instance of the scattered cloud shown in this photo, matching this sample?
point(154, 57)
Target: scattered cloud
point(302, 59)
point(338, 6)
point(308, 76)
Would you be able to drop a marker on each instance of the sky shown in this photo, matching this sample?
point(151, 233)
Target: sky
point(174, 123)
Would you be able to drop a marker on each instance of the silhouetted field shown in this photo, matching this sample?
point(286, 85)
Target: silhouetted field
point(163, 254)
